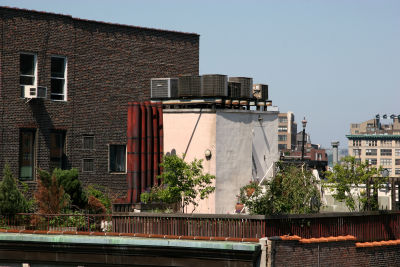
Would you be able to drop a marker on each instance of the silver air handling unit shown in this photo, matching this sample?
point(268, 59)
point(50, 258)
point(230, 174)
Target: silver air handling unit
point(164, 87)
point(189, 86)
point(246, 90)
point(214, 85)
point(260, 91)
point(234, 89)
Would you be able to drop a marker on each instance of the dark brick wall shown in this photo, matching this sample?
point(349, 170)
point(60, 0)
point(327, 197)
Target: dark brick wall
point(293, 253)
point(108, 66)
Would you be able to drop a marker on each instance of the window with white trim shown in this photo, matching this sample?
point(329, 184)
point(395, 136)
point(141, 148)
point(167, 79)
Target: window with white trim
point(370, 152)
point(386, 152)
point(282, 137)
point(117, 158)
point(372, 161)
point(386, 162)
point(397, 152)
point(58, 78)
point(27, 70)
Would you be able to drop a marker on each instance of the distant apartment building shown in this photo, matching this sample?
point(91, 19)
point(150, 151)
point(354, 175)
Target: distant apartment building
point(377, 142)
point(287, 129)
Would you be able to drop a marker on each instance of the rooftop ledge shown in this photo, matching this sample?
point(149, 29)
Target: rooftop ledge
point(159, 241)
point(373, 136)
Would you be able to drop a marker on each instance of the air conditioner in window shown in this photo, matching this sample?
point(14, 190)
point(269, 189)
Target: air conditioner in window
point(35, 91)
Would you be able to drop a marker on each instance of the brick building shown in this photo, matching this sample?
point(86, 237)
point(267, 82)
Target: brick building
point(91, 71)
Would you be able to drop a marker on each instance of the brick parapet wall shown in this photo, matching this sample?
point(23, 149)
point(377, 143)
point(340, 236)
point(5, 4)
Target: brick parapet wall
point(323, 252)
point(108, 66)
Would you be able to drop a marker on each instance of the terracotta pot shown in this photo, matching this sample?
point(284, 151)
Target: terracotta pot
point(239, 207)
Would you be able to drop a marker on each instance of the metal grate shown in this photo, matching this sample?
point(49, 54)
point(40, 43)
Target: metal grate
point(214, 85)
point(189, 85)
point(246, 86)
point(234, 89)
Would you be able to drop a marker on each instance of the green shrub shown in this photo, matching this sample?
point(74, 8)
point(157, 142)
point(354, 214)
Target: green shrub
point(12, 200)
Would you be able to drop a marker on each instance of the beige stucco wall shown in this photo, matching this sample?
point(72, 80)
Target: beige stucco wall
point(182, 134)
point(233, 136)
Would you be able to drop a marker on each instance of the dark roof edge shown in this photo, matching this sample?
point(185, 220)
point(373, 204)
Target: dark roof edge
point(95, 21)
point(373, 136)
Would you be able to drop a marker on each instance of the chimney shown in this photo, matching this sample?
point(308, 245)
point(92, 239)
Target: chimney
point(335, 152)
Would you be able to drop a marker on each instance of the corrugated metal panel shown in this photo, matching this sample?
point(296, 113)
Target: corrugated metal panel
point(145, 141)
point(246, 86)
point(214, 85)
point(189, 85)
point(234, 89)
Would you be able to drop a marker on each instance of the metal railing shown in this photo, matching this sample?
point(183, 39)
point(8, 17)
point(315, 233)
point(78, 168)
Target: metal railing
point(57, 222)
point(365, 226)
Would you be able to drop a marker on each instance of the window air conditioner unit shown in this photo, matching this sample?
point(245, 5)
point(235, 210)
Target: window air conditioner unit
point(164, 87)
point(35, 92)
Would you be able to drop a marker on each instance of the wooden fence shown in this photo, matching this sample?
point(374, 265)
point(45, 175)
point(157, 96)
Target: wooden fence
point(366, 226)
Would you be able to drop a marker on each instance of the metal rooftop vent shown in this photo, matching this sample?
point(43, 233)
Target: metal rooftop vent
point(260, 91)
point(189, 86)
point(164, 87)
point(214, 85)
point(246, 86)
point(234, 89)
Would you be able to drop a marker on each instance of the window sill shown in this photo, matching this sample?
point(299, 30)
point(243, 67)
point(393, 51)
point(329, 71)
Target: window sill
point(117, 172)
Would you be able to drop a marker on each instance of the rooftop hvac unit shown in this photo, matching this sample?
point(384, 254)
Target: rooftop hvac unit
point(189, 85)
point(214, 85)
point(246, 86)
point(35, 91)
point(164, 87)
point(260, 91)
point(234, 89)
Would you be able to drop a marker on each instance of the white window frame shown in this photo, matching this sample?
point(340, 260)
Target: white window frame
point(65, 98)
point(35, 75)
point(126, 159)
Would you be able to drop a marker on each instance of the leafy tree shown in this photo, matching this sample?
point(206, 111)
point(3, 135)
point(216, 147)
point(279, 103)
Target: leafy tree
point(181, 182)
point(70, 182)
point(99, 193)
point(350, 174)
point(12, 200)
point(292, 191)
point(50, 195)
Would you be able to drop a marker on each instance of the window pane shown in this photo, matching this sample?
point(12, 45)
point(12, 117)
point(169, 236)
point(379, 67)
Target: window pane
point(57, 97)
point(57, 67)
point(57, 151)
point(117, 158)
point(57, 86)
point(26, 159)
point(27, 64)
point(26, 80)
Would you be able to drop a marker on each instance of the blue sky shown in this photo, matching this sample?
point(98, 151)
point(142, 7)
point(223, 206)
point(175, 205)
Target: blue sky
point(334, 62)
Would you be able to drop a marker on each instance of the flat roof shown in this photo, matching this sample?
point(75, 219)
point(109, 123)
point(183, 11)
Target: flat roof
point(93, 21)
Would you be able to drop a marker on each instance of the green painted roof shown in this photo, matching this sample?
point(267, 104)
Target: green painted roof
point(373, 136)
point(129, 241)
